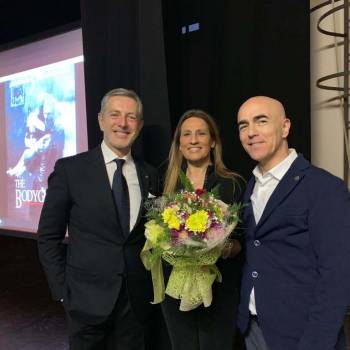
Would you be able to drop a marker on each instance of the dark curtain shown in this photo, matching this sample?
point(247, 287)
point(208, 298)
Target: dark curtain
point(123, 47)
point(242, 49)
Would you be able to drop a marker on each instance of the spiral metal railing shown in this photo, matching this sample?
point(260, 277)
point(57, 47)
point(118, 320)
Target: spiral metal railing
point(324, 82)
point(343, 96)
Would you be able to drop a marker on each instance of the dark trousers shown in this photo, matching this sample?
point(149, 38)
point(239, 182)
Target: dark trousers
point(120, 331)
point(203, 328)
point(254, 338)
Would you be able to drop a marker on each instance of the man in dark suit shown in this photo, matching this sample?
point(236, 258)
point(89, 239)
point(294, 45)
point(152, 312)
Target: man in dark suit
point(296, 277)
point(99, 275)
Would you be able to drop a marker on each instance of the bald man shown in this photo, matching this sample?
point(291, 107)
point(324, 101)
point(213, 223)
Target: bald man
point(296, 278)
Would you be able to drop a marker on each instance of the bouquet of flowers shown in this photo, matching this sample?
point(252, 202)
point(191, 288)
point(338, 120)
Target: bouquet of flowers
point(187, 229)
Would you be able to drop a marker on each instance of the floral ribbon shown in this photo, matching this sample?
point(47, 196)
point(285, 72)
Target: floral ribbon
point(191, 278)
point(153, 262)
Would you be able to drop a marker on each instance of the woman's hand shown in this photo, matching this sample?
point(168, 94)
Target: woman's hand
point(231, 248)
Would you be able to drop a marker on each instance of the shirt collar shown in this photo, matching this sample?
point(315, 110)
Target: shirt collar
point(109, 156)
point(277, 171)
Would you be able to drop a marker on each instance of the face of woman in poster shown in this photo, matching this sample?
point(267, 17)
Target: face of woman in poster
point(196, 141)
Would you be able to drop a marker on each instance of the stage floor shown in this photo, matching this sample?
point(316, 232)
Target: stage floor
point(29, 318)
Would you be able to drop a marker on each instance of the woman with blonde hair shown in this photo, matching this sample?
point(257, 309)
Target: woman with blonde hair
point(196, 149)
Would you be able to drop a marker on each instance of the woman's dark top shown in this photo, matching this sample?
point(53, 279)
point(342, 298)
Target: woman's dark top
point(213, 327)
point(230, 191)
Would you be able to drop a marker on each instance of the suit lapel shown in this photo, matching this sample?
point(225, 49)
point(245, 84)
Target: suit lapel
point(249, 190)
point(289, 181)
point(143, 178)
point(99, 176)
point(249, 218)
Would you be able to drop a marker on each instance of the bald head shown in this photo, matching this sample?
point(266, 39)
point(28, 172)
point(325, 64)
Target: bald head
point(263, 130)
point(260, 103)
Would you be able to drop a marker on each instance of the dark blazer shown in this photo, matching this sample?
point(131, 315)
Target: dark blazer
point(298, 259)
point(88, 272)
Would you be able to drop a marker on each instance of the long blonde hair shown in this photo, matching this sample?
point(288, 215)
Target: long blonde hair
point(176, 158)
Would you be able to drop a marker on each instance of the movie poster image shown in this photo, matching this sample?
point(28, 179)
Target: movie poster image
point(40, 119)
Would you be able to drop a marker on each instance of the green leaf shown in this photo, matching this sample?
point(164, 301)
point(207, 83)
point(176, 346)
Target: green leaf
point(234, 212)
point(185, 182)
point(215, 191)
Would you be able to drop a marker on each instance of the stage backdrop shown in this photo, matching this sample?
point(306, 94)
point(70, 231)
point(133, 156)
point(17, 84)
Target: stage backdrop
point(184, 54)
point(219, 53)
point(124, 47)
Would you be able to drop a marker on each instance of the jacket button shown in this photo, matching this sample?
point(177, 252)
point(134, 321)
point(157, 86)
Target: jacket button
point(257, 243)
point(255, 274)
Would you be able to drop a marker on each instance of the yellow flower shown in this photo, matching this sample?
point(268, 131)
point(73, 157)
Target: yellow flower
point(198, 221)
point(170, 218)
point(167, 213)
point(153, 231)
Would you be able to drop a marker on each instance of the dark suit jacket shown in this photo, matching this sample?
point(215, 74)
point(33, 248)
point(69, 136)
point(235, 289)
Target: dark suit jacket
point(298, 260)
point(87, 272)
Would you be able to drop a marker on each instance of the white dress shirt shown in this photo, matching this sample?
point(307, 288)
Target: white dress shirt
point(130, 173)
point(265, 184)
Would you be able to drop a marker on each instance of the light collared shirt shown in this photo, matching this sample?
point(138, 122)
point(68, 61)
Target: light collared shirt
point(130, 173)
point(265, 184)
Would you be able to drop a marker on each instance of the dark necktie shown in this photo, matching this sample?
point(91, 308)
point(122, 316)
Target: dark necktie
point(121, 196)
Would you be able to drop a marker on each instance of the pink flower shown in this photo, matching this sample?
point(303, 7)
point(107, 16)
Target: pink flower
point(215, 232)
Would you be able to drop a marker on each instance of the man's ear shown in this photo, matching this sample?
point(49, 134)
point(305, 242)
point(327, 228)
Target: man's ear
point(286, 127)
point(100, 121)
